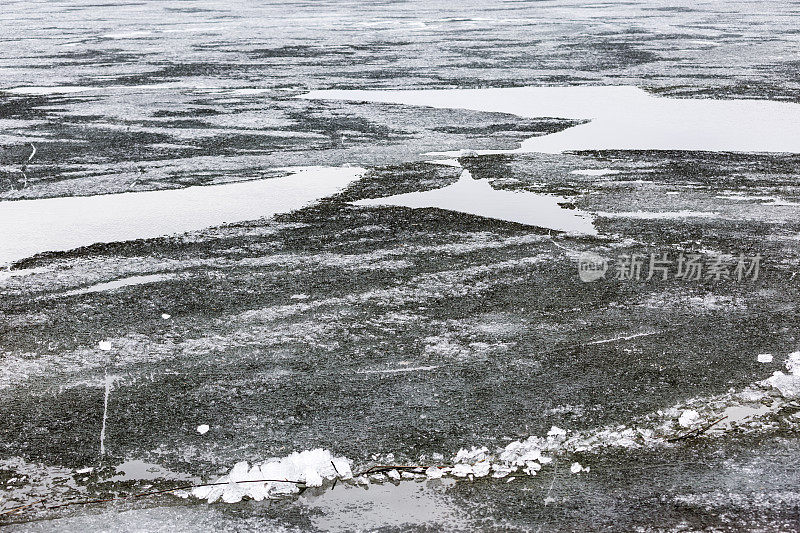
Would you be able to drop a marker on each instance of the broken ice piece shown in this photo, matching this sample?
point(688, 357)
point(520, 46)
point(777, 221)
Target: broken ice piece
point(481, 469)
point(764, 358)
point(688, 417)
point(393, 474)
point(166, 316)
point(433, 472)
point(104, 345)
point(576, 468)
point(203, 429)
point(462, 470)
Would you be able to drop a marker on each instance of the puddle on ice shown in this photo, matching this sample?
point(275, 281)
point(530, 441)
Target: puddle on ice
point(621, 118)
point(354, 508)
point(477, 197)
point(139, 470)
point(742, 413)
point(30, 227)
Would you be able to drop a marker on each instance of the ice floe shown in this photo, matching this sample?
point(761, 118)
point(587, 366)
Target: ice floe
point(477, 197)
point(276, 476)
point(620, 117)
point(58, 224)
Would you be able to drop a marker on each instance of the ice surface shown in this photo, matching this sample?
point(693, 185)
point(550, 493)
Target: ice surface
point(621, 118)
point(58, 224)
point(477, 197)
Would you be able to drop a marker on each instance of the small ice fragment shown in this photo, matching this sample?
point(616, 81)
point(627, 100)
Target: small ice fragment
point(556, 432)
point(576, 468)
point(481, 469)
point(299, 297)
point(85, 470)
point(203, 429)
point(764, 358)
point(433, 472)
point(104, 345)
point(462, 470)
point(688, 417)
point(166, 316)
point(512, 478)
point(393, 474)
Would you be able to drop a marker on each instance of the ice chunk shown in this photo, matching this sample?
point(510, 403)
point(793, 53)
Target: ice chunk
point(104, 345)
point(688, 418)
point(481, 469)
point(576, 468)
point(764, 358)
point(203, 429)
point(462, 470)
point(282, 476)
point(433, 472)
point(472, 455)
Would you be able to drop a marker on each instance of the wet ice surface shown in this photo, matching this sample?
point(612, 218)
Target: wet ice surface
point(59, 224)
point(388, 334)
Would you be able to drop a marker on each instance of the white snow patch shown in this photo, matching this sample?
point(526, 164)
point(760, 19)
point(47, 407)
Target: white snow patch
point(764, 358)
point(203, 429)
point(655, 215)
point(104, 345)
point(595, 172)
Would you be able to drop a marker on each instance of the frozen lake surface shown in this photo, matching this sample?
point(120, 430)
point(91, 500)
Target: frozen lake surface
point(241, 231)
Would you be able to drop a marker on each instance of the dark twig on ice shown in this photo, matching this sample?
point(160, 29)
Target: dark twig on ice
point(697, 432)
